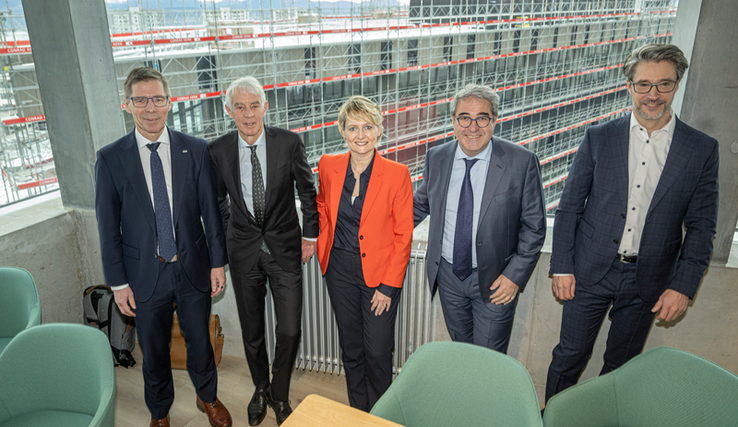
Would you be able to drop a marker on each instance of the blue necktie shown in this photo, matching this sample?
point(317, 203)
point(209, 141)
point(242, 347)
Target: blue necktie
point(462, 266)
point(162, 212)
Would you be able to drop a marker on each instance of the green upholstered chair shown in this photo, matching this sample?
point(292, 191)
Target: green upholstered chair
point(455, 384)
point(19, 305)
point(663, 387)
point(59, 375)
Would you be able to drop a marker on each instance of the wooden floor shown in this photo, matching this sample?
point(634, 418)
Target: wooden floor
point(234, 390)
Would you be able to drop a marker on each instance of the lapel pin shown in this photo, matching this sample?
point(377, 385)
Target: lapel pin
point(184, 151)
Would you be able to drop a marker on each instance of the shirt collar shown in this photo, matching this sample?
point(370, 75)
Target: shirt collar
point(142, 141)
point(261, 140)
point(668, 128)
point(484, 155)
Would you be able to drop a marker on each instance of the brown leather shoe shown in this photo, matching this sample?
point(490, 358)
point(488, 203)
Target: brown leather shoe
point(217, 413)
point(164, 422)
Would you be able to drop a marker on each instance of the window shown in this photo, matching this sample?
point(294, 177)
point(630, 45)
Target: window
point(447, 48)
point(412, 53)
point(310, 63)
point(354, 65)
point(471, 41)
point(386, 55)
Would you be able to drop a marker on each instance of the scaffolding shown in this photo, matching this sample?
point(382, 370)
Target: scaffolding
point(556, 65)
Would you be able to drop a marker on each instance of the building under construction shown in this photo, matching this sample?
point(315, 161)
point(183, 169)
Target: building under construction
point(554, 63)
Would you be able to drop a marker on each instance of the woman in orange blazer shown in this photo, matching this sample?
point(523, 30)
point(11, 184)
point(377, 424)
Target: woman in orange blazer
point(365, 204)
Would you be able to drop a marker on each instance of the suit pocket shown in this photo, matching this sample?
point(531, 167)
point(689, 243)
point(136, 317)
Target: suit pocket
point(673, 246)
point(585, 228)
point(130, 252)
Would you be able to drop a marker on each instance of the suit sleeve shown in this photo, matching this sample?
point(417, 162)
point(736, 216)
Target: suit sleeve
point(221, 191)
point(207, 197)
point(571, 208)
point(700, 221)
point(421, 205)
point(532, 226)
point(303, 176)
point(402, 225)
point(107, 209)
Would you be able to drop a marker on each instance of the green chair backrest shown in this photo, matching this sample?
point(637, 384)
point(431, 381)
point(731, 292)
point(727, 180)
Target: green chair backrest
point(663, 387)
point(457, 384)
point(19, 305)
point(58, 367)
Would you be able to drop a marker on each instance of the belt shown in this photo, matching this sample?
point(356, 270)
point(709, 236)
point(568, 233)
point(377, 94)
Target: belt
point(628, 259)
point(175, 258)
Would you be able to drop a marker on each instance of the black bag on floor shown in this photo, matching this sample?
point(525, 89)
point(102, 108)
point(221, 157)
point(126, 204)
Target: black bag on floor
point(102, 312)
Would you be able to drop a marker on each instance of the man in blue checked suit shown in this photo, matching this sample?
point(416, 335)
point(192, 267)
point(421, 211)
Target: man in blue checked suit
point(487, 221)
point(635, 223)
point(162, 242)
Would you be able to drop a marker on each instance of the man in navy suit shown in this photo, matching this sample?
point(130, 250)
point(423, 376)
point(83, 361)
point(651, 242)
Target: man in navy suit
point(636, 185)
point(487, 221)
point(162, 242)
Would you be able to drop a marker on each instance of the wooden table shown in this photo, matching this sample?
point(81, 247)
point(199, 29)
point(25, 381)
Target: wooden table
point(317, 411)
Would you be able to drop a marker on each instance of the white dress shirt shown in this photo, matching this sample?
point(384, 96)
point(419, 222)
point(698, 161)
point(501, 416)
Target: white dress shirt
point(165, 154)
point(244, 157)
point(646, 159)
point(478, 175)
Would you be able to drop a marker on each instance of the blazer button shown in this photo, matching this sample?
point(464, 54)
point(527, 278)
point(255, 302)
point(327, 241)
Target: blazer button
point(361, 237)
point(363, 255)
point(622, 216)
point(615, 241)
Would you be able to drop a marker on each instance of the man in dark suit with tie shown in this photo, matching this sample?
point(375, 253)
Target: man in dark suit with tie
point(635, 185)
point(256, 169)
point(487, 221)
point(162, 242)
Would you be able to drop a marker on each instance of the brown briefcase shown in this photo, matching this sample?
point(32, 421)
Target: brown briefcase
point(179, 349)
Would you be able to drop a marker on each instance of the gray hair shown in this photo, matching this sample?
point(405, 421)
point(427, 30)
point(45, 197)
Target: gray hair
point(245, 84)
point(656, 53)
point(479, 92)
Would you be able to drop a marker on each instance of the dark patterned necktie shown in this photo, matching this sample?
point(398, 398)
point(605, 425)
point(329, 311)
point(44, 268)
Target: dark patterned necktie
point(162, 212)
point(258, 194)
point(462, 266)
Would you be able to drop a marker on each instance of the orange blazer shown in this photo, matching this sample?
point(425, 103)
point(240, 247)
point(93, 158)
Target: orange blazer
point(386, 227)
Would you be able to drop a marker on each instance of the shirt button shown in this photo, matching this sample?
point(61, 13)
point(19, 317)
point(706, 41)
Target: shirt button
point(629, 229)
point(634, 208)
point(643, 163)
point(647, 141)
point(638, 186)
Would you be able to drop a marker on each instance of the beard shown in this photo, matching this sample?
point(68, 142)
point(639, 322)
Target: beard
point(649, 116)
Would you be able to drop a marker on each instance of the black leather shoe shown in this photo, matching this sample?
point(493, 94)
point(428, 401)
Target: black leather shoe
point(257, 407)
point(282, 410)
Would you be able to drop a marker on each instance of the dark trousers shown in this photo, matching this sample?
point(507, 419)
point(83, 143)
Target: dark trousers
point(367, 341)
point(154, 328)
point(250, 290)
point(470, 319)
point(582, 318)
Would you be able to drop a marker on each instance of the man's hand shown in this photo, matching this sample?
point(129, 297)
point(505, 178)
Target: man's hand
point(380, 303)
point(217, 280)
point(124, 300)
point(671, 304)
point(308, 250)
point(563, 287)
point(506, 291)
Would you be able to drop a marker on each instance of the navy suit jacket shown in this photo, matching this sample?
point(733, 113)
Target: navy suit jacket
point(512, 220)
point(591, 214)
point(287, 167)
point(126, 222)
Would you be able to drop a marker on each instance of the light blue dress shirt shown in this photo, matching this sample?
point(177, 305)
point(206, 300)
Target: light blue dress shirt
point(478, 178)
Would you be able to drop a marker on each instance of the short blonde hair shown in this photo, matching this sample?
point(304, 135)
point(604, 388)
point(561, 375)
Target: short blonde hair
point(359, 107)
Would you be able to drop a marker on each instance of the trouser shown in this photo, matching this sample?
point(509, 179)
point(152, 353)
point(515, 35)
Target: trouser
point(582, 318)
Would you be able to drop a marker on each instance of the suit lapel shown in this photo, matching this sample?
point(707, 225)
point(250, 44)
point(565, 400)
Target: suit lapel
point(233, 164)
point(618, 142)
point(679, 154)
point(497, 166)
point(375, 185)
point(274, 154)
point(131, 161)
point(338, 176)
point(180, 158)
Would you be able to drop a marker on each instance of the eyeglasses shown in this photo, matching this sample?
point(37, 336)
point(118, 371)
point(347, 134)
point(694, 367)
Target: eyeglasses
point(661, 87)
point(466, 121)
point(142, 101)
point(354, 130)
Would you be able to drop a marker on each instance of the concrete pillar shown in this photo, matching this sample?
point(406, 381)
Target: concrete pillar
point(710, 98)
point(74, 66)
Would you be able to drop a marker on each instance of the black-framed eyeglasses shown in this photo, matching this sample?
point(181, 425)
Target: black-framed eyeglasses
point(142, 101)
point(661, 87)
point(466, 121)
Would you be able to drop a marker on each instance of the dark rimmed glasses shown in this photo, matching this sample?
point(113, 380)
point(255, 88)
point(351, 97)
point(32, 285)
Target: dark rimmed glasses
point(466, 121)
point(661, 87)
point(142, 101)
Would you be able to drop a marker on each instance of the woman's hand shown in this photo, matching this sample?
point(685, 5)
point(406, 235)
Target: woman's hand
point(380, 303)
